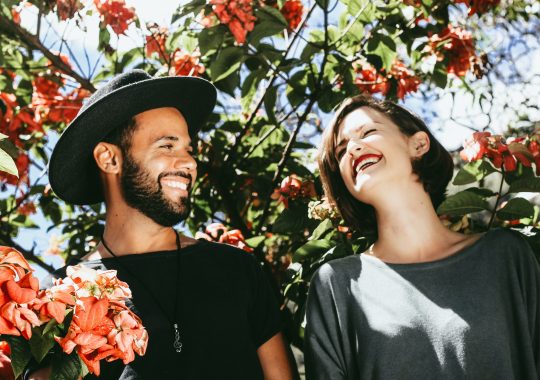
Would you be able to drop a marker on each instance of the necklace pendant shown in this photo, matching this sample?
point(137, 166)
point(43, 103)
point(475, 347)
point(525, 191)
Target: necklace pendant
point(177, 344)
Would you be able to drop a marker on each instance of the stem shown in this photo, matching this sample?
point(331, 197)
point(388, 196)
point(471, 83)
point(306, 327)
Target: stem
point(497, 200)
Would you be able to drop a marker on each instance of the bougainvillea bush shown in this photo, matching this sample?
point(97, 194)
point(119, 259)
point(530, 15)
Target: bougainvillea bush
point(281, 66)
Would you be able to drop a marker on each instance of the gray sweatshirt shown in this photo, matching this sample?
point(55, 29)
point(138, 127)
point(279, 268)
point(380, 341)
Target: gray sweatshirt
point(473, 315)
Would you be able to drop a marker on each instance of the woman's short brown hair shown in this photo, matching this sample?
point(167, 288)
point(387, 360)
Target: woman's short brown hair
point(434, 168)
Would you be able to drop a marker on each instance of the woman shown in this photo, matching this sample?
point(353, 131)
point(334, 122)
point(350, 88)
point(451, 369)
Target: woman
point(423, 302)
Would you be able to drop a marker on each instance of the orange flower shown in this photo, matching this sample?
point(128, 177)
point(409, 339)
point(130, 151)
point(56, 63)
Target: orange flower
point(293, 11)
point(16, 319)
point(90, 282)
point(128, 335)
point(116, 14)
point(237, 15)
point(186, 64)
point(369, 80)
point(457, 46)
point(52, 302)
point(97, 333)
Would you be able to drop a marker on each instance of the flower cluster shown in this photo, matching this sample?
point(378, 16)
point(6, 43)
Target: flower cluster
point(503, 153)
point(320, 210)
point(183, 63)
point(456, 45)
point(479, 6)
point(48, 102)
point(102, 327)
point(292, 10)
point(293, 188)
point(219, 233)
point(155, 42)
point(116, 14)
point(237, 15)
point(369, 80)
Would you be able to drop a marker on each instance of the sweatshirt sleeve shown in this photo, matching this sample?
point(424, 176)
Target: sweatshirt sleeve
point(324, 357)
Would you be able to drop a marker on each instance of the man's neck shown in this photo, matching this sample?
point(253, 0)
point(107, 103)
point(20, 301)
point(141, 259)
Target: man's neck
point(130, 232)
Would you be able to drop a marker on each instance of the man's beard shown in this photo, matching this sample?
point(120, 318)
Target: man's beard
point(143, 194)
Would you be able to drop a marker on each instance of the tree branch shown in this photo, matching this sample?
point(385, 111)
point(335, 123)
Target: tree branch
point(11, 28)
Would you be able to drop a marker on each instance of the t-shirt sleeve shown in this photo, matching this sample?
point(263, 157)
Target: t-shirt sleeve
point(324, 357)
point(264, 310)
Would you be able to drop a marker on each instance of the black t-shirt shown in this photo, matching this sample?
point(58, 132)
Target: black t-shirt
point(226, 311)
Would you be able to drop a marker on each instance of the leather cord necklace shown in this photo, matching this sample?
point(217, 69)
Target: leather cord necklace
point(177, 344)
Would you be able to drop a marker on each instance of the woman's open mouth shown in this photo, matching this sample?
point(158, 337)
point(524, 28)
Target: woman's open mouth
point(365, 161)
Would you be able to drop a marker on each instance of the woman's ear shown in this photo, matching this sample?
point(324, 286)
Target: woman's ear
point(419, 144)
point(108, 157)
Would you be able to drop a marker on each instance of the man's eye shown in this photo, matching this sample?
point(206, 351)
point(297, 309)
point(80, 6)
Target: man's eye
point(167, 146)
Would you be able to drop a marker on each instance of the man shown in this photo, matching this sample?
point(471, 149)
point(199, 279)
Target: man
point(209, 311)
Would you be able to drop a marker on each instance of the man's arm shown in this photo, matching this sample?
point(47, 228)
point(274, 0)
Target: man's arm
point(275, 360)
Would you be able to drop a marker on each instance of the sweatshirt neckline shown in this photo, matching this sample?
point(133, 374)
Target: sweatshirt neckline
point(457, 256)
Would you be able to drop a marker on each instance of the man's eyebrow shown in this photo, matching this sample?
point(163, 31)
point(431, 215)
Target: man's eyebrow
point(166, 138)
point(170, 138)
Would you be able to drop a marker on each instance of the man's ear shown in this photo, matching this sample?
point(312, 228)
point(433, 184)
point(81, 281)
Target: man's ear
point(419, 144)
point(108, 157)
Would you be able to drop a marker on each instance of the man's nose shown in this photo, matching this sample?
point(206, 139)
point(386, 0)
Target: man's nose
point(186, 161)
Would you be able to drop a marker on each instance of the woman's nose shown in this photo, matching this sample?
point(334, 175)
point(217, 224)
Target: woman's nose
point(354, 147)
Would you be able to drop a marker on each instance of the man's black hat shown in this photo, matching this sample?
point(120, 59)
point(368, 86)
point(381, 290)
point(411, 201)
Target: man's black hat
point(73, 173)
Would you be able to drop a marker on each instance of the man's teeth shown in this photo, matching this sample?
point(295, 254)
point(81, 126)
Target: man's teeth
point(177, 185)
point(367, 162)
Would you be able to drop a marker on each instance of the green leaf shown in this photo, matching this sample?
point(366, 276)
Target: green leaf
point(322, 229)
point(485, 193)
point(440, 75)
point(473, 172)
point(2, 136)
point(384, 47)
point(40, 345)
point(270, 104)
point(20, 353)
point(7, 164)
point(531, 184)
point(462, 203)
point(291, 220)
point(255, 241)
point(270, 22)
point(227, 62)
point(516, 208)
point(67, 367)
point(312, 250)
point(210, 39)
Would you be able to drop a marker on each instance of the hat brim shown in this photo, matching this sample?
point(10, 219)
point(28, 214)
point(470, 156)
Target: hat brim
point(73, 173)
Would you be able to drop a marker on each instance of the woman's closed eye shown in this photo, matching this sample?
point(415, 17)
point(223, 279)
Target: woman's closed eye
point(368, 132)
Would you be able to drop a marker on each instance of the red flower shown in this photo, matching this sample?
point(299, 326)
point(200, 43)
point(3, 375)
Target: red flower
point(478, 6)
point(155, 42)
point(66, 9)
point(219, 233)
point(406, 81)
point(369, 80)
point(456, 45)
point(293, 11)
point(293, 188)
point(237, 15)
point(116, 14)
point(186, 64)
